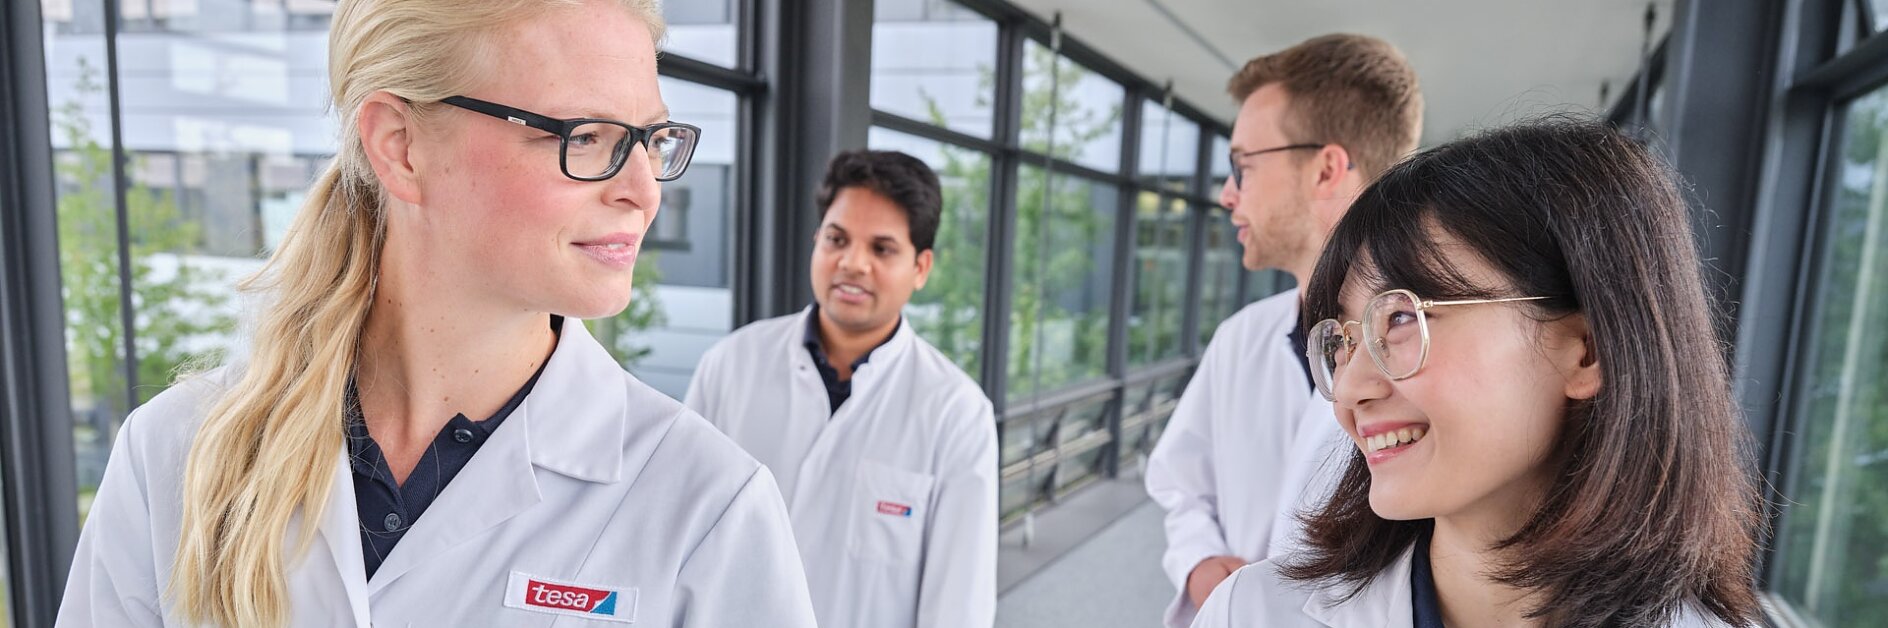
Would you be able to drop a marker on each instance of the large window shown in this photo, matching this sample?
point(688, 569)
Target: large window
point(222, 128)
point(948, 312)
point(1063, 260)
point(934, 62)
point(1833, 543)
point(704, 30)
point(222, 115)
point(1170, 147)
point(1069, 111)
point(683, 303)
point(1159, 271)
point(1220, 272)
point(1220, 165)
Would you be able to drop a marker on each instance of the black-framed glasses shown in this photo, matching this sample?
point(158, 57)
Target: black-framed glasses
point(594, 149)
point(1395, 334)
point(1239, 175)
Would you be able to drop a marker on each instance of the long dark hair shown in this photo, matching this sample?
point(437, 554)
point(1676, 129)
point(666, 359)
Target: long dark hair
point(1654, 505)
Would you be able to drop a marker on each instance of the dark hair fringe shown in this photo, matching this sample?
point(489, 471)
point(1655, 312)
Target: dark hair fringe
point(904, 179)
point(1656, 504)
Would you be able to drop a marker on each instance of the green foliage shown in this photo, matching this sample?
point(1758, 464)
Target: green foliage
point(1057, 227)
point(1834, 541)
point(1054, 338)
point(1160, 259)
point(174, 308)
point(620, 333)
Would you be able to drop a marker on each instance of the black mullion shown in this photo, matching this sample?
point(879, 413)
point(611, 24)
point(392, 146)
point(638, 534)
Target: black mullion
point(1062, 166)
point(1037, 29)
point(1004, 165)
point(746, 36)
point(1778, 419)
point(932, 132)
point(1774, 342)
point(121, 206)
point(1196, 254)
point(39, 485)
point(1120, 299)
point(1864, 60)
point(697, 71)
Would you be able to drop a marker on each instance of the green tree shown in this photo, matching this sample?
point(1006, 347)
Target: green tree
point(1056, 227)
point(1835, 533)
point(177, 309)
point(1055, 216)
point(1159, 279)
point(174, 303)
point(621, 334)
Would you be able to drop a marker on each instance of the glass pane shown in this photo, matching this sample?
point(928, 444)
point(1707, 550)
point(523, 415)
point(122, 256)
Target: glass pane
point(1064, 257)
point(1833, 543)
point(683, 300)
point(948, 312)
point(934, 61)
point(1170, 146)
point(1084, 108)
point(1216, 158)
point(1881, 14)
point(1265, 283)
point(1160, 279)
point(223, 130)
point(1219, 283)
point(704, 30)
point(88, 233)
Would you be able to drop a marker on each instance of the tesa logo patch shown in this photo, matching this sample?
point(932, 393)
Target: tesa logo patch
point(549, 595)
point(894, 509)
point(542, 595)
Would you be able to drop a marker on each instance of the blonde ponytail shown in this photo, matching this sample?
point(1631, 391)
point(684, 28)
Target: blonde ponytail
point(266, 451)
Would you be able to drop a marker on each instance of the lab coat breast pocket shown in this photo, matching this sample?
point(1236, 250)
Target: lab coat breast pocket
point(889, 507)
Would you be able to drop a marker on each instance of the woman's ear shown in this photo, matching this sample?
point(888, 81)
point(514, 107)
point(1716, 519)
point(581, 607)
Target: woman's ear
point(1578, 358)
point(386, 126)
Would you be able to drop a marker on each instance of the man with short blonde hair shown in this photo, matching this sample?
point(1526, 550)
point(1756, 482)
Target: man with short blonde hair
point(1246, 446)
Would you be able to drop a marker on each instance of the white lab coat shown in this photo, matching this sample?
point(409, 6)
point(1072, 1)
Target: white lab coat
point(1245, 450)
point(596, 481)
point(894, 496)
point(1258, 597)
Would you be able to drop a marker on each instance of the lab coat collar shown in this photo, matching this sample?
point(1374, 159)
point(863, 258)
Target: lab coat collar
point(1384, 602)
point(885, 355)
point(581, 405)
point(340, 531)
point(573, 423)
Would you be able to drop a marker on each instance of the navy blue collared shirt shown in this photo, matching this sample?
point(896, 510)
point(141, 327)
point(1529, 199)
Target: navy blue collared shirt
point(1301, 344)
point(837, 390)
point(1422, 584)
point(387, 510)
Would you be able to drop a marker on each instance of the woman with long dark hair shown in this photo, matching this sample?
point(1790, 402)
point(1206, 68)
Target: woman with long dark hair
point(1514, 331)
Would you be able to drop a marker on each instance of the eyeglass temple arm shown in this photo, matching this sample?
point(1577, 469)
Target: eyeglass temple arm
point(1430, 304)
point(510, 114)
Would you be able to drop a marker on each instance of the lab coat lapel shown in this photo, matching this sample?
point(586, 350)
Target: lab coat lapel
point(572, 422)
point(496, 485)
point(884, 359)
point(865, 381)
point(340, 531)
point(1385, 602)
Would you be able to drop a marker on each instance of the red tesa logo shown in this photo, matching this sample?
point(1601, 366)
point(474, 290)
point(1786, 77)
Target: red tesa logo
point(569, 598)
point(894, 509)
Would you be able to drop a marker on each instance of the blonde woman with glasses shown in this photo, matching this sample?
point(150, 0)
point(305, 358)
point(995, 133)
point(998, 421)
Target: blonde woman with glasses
point(419, 355)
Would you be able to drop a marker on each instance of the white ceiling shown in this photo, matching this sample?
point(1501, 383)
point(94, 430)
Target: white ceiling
point(1481, 62)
